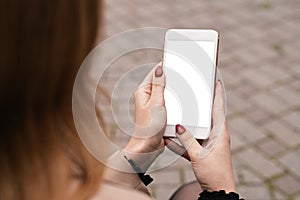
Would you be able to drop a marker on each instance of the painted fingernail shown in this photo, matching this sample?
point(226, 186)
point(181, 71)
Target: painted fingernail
point(159, 71)
point(180, 129)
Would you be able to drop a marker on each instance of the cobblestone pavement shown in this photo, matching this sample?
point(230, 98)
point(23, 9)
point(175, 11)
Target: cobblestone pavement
point(258, 58)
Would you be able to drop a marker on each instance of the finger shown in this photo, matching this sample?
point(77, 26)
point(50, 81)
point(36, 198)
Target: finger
point(148, 79)
point(218, 108)
point(158, 85)
point(142, 95)
point(188, 141)
point(143, 92)
point(176, 148)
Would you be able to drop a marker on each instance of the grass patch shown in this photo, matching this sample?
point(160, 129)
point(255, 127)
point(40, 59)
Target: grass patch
point(265, 5)
point(278, 49)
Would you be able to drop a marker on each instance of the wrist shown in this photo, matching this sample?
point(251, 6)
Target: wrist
point(144, 144)
point(135, 146)
point(119, 171)
point(141, 159)
point(228, 187)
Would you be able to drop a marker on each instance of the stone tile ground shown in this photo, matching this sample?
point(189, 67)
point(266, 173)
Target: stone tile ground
point(259, 60)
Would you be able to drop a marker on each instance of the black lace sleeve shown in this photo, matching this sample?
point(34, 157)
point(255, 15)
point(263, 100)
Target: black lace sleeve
point(218, 195)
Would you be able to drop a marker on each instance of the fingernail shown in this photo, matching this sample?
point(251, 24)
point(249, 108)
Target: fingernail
point(158, 71)
point(179, 129)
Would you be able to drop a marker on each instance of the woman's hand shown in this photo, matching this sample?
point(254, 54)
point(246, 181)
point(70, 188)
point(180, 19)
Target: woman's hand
point(150, 119)
point(146, 143)
point(211, 161)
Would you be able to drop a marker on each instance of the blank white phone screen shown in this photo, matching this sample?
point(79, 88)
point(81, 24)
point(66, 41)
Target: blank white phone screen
point(189, 68)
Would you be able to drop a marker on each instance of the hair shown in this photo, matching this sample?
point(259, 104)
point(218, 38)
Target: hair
point(42, 44)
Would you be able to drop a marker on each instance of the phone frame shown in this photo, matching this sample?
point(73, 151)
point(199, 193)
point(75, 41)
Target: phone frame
point(194, 35)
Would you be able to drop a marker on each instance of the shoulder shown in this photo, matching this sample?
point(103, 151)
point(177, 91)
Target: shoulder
point(111, 191)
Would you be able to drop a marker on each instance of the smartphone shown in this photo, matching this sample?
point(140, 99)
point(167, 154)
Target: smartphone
point(189, 63)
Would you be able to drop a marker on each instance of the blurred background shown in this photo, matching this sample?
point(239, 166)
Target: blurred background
point(259, 61)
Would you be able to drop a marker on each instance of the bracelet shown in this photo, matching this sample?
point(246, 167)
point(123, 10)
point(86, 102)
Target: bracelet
point(146, 179)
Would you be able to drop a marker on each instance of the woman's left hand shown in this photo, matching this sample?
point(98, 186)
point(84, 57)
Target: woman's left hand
point(150, 117)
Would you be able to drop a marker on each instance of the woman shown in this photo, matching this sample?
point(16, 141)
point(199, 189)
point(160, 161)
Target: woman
point(42, 46)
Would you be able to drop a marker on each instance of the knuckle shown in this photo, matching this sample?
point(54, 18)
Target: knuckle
point(159, 85)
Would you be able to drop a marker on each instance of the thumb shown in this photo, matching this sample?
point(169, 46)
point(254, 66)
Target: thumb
point(188, 141)
point(158, 85)
point(218, 107)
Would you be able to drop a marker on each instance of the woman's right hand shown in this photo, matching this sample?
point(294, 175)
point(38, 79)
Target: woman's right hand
point(211, 161)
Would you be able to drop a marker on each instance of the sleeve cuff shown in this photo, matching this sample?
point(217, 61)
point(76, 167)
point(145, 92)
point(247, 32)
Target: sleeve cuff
point(218, 195)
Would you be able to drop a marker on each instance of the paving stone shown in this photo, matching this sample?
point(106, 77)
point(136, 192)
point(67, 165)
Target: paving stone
point(248, 57)
point(259, 63)
point(245, 89)
point(278, 195)
point(293, 119)
point(236, 103)
point(287, 184)
point(244, 128)
point(271, 147)
point(275, 72)
point(257, 192)
point(291, 161)
point(247, 176)
point(258, 116)
point(237, 163)
point(290, 96)
point(263, 51)
point(297, 197)
point(236, 142)
point(260, 164)
point(270, 103)
point(229, 76)
point(256, 77)
point(283, 133)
